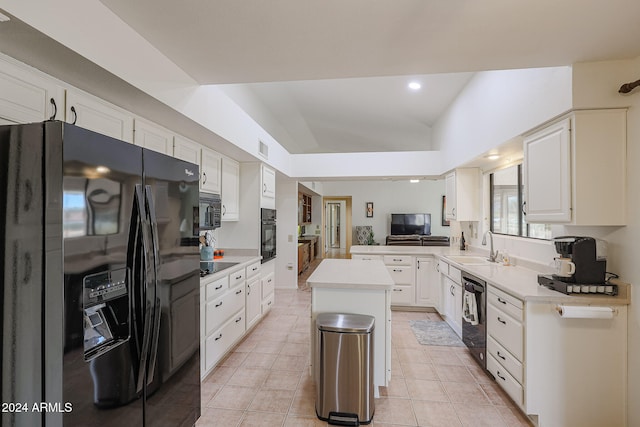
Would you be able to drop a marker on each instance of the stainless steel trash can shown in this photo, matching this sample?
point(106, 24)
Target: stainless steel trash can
point(344, 389)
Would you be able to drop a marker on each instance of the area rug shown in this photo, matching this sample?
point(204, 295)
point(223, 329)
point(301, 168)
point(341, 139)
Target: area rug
point(435, 332)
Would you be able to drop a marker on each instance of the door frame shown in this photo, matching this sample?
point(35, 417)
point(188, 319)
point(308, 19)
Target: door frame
point(347, 225)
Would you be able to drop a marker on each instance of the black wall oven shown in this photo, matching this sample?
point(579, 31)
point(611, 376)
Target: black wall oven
point(268, 234)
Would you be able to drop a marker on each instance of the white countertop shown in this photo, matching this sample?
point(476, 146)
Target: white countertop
point(351, 274)
point(242, 261)
point(521, 282)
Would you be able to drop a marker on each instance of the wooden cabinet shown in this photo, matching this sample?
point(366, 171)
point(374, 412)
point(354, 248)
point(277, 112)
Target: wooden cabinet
point(210, 171)
point(230, 194)
point(462, 188)
point(427, 283)
point(25, 97)
point(151, 136)
point(303, 257)
point(268, 192)
point(99, 116)
point(575, 170)
point(304, 208)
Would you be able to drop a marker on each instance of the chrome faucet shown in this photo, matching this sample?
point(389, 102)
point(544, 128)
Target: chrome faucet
point(492, 255)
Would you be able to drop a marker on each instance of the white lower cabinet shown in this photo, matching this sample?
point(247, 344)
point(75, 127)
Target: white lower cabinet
point(451, 296)
point(253, 294)
point(223, 338)
point(268, 288)
point(427, 283)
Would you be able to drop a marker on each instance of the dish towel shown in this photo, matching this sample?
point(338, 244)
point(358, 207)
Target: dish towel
point(469, 308)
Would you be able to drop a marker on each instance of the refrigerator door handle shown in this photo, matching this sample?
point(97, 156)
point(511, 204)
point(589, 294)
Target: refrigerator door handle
point(155, 326)
point(148, 266)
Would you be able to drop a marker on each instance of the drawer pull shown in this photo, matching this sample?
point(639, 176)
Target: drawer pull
point(397, 259)
point(239, 291)
point(218, 337)
point(501, 321)
point(501, 356)
point(239, 277)
point(254, 268)
point(500, 376)
point(269, 303)
point(395, 270)
point(219, 304)
point(238, 319)
point(397, 290)
point(500, 300)
point(218, 287)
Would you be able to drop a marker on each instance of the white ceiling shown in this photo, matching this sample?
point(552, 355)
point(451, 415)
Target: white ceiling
point(331, 75)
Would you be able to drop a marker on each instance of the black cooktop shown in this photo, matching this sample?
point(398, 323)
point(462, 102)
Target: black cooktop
point(210, 267)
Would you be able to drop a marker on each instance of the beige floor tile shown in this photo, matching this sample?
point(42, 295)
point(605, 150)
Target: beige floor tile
point(249, 377)
point(427, 390)
point(295, 349)
point(215, 417)
point(272, 401)
point(444, 356)
point(496, 395)
point(435, 414)
point(298, 337)
point(472, 415)
point(262, 419)
point(269, 347)
point(410, 355)
point(397, 388)
point(220, 375)
point(455, 373)
point(259, 360)
point(286, 362)
point(301, 421)
point(282, 380)
point(234, 359)
point(513, 417)
point(465, 393)
point(233, 397)
point(480, 375)
point(208, 391)
point(394, 411)
point(419, 371)
point(303, 404)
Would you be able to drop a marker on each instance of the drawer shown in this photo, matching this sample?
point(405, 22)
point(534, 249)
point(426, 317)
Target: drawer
point(506, 381)
point(267, 303)
point(401, 275)
point(443, 267)
point(253, 269)
point(367, 257)
point(220, 309)
point(506, 330)
point(505, 302)
point(506, 359)
point(217, 287)
point(455, 275)
point(398, 260)
point(217, 344)
point(236, 278)
point(402, 295)
point(268, 285)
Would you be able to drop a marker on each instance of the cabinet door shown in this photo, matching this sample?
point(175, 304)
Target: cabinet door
point(268, 195)
point(547, 174)
point(254, 301)
point(186, 150)
point(26, 97)
point(99, 116)
point(427, 283)
point(210, 171)
point(457, 307)
point(230, 190)
point(152, 136)
point(450, 191)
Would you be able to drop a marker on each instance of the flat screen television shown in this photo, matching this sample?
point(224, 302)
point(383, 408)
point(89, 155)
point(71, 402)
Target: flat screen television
point(404, 224)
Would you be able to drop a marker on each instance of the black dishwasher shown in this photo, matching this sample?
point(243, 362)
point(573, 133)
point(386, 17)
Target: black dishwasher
point(474, 319)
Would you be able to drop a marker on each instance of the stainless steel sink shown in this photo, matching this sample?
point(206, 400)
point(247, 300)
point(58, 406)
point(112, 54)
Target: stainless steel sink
point(468, 259)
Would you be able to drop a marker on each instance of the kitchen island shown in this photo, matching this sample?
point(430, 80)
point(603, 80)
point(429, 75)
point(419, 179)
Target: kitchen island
point(356, 287)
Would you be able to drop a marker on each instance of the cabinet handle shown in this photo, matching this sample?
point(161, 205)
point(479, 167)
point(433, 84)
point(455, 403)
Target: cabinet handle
point(269, 303)
point(218, 305)
point(501, 356)
point(524, 210)
point(438, 268)
point(254, 268)
point(397, 260)
point(239, 291)
point(501, 321)
point(75, 115)
point(397, 290)
point(502, 301)
point(204, 177)
point(500, 376)
point(238, 319)
point(452, 290)
point(418, 265)
point(224, 210)
point(218, 337)
point(395, 270)
point(55, 109)
point(218, 287)
point(239, 277)
point(264, 188)
point(453, 212)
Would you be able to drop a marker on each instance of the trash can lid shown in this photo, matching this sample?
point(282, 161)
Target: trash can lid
point(344, 322)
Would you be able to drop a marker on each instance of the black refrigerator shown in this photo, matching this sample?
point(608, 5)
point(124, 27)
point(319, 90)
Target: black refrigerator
point(100, 310)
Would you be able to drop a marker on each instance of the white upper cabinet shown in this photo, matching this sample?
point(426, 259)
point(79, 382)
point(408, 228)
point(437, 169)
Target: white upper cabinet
point(151, 136)
point(462, 188)
point(26, 97)
point(230, 190)
point(186, 150)
point(268, 194)
point(99, 116)
point(575, 170)
point(210, 171)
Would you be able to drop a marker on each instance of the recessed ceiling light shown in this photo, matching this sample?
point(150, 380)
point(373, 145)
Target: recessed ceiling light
point(103, 169)
point(492, 156)
point(413, 181)
point(414, 85)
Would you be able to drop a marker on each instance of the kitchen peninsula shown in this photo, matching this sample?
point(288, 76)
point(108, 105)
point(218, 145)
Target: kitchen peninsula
point(357, 287)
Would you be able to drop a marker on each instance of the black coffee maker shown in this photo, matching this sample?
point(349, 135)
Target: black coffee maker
point(590, 260)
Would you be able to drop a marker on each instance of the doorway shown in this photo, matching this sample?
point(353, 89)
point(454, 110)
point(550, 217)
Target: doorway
point(336, 223)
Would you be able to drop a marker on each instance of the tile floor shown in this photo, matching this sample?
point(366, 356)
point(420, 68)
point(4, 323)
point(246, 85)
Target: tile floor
point(265, 380)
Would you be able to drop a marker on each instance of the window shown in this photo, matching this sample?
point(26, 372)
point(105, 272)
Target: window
point(506, 193)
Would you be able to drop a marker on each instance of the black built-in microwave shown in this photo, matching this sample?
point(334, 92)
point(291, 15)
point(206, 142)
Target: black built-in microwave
point(210, 211)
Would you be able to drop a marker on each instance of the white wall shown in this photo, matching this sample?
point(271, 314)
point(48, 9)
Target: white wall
point(286, 232)
point(391, 197)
